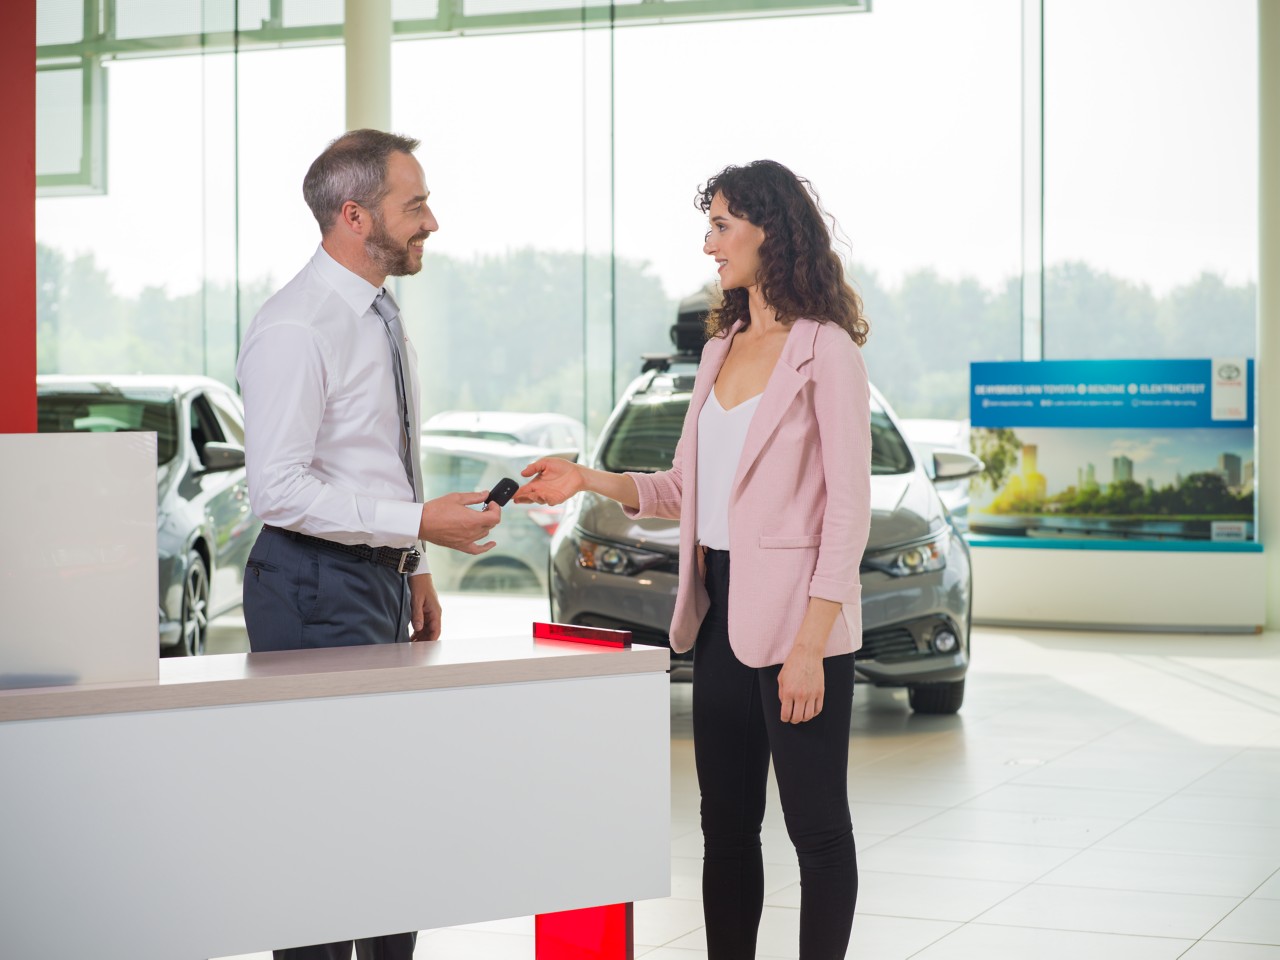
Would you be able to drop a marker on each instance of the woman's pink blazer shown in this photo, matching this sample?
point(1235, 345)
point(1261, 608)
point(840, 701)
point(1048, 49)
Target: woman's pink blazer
point(800, 508)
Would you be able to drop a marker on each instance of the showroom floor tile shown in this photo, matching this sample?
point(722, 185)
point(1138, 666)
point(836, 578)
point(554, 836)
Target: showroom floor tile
point(1099, 795)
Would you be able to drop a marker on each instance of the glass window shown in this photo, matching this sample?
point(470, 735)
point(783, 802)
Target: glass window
point(59, 21)
point(906, 120)
point(280, 135)
point(141, 279)
point(508, 312)
point(1150, 197)
point(60, 124)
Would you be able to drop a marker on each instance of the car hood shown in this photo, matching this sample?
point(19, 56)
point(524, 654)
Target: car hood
point(904, 507)
point(604, 518)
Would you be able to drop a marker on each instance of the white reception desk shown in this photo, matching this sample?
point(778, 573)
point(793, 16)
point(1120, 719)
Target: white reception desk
point(253, 801)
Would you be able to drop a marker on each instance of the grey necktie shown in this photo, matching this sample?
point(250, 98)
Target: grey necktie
point(389, 311)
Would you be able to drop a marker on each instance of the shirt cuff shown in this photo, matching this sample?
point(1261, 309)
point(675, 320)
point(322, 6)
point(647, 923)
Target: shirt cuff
point(399, 519)
point(423, 566)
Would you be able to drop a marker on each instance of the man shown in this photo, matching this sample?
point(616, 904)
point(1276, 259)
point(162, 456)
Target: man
point(331, 400)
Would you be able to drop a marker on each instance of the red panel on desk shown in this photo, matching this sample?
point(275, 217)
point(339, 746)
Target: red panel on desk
point(578, 634)
point(597, 933)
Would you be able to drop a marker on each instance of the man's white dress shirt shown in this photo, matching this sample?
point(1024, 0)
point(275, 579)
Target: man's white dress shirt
point(322, 416)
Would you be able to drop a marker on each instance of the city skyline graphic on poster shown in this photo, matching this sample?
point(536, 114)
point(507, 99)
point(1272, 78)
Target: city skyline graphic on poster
point(1127, 472)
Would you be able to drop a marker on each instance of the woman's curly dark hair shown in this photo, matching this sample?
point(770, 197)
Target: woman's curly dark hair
point(800, 274)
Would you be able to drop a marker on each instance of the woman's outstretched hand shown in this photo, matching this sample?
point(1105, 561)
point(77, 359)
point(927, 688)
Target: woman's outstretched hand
point(554, 481)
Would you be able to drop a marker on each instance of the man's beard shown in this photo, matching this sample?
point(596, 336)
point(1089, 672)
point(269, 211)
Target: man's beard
point(393, 259)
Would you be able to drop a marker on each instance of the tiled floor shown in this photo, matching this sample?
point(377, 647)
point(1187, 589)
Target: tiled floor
point(1099, 795)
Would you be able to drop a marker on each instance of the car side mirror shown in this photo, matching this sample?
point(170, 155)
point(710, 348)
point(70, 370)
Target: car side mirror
point(955, 465)
point(219, 457)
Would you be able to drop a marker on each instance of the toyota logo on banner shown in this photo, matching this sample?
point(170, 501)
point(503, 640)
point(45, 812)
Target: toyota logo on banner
point(1229, 371)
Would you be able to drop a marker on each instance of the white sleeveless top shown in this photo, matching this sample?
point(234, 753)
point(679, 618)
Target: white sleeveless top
point(721, 436)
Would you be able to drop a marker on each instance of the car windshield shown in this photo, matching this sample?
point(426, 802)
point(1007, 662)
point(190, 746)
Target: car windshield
point(119, 411)
point(643, 439)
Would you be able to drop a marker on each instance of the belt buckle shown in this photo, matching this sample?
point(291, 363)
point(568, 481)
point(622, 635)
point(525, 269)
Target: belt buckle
point(403, 566)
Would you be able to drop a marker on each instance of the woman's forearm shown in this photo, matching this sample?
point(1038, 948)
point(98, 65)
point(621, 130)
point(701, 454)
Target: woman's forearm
point(819, 618)
point(615, 486)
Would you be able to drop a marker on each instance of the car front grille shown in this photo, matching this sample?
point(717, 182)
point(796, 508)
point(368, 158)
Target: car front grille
point(891, 645)
point(896, 643)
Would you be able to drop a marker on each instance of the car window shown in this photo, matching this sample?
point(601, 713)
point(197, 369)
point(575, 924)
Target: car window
point(644, 438)
point(889, 451)
point(229, 416)
point(449, 473)
point(123, 410)
point(204, 425)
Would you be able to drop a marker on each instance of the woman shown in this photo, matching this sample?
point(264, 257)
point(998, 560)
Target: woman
point(772, 470)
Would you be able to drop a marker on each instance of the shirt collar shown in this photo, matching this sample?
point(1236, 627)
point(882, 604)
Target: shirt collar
point(358, 292)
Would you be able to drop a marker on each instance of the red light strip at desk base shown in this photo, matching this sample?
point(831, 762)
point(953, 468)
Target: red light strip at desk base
point(596, 933)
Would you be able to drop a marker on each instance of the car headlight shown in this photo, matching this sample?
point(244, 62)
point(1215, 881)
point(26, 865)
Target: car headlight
point(916, 558)
point(615, 558)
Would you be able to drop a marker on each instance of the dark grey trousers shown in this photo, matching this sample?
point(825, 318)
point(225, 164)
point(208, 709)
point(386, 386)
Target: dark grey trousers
point(301, 595)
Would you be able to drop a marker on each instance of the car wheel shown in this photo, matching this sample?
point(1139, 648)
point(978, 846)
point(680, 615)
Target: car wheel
point(195, 607)
point(937, 697)
point(501, 576)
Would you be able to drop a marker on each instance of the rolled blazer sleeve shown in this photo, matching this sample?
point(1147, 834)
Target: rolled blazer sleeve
point(662, 493)
point(842, 407)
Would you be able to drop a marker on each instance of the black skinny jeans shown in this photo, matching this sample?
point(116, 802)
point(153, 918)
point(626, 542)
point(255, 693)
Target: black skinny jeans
point(736, 727)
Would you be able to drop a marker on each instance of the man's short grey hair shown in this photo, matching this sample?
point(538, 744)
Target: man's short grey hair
point(352, 167)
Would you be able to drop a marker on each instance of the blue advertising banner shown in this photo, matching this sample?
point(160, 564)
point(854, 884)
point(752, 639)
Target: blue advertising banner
point(1170, 394)
point(1138, 451)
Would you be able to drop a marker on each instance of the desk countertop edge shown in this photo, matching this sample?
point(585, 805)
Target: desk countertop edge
point(230, 679)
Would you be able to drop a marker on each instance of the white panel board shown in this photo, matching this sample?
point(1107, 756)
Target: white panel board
point(229, 830)
point(1140, 589)
point(78, 572)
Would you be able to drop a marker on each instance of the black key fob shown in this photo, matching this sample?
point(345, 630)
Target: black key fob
point(502, 491)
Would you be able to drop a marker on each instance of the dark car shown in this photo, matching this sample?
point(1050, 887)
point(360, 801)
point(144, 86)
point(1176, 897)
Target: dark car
point(204, 524)
point(610, 571)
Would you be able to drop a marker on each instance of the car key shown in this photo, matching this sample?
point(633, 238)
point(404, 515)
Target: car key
point(502, 491)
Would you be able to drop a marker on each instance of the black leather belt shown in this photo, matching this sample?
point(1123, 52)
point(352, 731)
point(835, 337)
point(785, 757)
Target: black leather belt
point(402, 561)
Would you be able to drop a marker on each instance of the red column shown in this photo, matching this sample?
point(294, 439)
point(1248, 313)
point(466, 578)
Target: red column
point(596, 933)
point(18, 239)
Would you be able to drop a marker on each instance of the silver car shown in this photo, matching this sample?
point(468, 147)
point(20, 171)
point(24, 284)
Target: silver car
point(551, 431)
point(610, 571)
point(928, 437)
point(518, 564)
point(204, 524)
